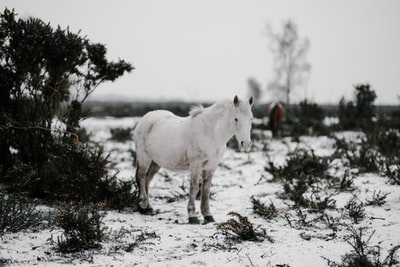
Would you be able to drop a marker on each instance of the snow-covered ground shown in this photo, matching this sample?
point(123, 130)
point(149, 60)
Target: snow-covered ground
point(171, 241)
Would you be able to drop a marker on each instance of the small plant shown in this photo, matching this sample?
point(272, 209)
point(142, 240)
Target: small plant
point(378, 199)
point(344, 184)
point(129, 239)
point(18, 214)
point(82, 226)
point(295, 189)
point(394, 175)
point(355, 210)
point(318, 204)
point(266, 211)
point(363, 254)
point(241, 229)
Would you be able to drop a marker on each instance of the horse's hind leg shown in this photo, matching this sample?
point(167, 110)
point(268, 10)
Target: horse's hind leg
point(144, 175)
point(141, 174)
point(154, 168)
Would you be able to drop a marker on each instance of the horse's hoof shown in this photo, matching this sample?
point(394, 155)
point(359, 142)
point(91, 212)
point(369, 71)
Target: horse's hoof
point(194, 220)
point(208, 219)
point(147, 211)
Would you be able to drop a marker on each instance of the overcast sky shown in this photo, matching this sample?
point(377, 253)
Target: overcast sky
point(207, 49)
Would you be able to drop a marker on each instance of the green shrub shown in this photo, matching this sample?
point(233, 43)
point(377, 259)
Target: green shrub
point(73, 173)
point(301, 162)
point(82, 225)
point(48, 73)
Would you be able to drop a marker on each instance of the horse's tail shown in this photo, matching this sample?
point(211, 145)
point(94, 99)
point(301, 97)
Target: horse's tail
point(135, 162)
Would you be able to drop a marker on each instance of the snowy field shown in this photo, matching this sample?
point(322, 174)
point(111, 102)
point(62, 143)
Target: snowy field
point(168, 240)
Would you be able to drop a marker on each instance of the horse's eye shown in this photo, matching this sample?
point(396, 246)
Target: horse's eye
point(236, 119)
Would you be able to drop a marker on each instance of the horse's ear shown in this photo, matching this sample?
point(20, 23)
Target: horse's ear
point(251, 101)
point(236, 100)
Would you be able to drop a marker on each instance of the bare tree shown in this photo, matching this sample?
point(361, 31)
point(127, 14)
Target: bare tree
point(290, 60)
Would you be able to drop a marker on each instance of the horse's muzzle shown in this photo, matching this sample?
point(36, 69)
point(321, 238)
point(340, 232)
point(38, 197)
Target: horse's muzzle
point(245, 146)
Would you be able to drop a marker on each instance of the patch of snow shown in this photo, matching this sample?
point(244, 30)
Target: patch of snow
point(238, 178)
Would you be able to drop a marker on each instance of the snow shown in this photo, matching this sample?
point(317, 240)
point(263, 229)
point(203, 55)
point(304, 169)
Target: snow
point(239, 177)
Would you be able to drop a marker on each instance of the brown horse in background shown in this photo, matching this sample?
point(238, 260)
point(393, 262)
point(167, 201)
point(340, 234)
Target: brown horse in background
point(276, 113)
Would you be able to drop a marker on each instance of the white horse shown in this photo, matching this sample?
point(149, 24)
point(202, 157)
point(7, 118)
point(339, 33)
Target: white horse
point(195, 143)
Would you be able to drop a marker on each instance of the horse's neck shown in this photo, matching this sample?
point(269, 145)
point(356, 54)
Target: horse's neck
point(219, 121)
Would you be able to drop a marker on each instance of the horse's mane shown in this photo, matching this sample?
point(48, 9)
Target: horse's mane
point(196, 110)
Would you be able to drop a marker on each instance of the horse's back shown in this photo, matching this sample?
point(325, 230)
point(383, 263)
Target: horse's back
point(160, 136)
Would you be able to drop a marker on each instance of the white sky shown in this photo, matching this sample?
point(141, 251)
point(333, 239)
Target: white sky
point(207, 49)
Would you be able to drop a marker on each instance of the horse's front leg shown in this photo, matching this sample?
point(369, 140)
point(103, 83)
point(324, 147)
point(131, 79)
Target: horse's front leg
point(195, 175)
point(205, 197)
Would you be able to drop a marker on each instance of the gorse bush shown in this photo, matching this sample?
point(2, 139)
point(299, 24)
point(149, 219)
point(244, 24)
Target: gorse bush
point(48, 73)
point(301, 162)
point(302, 171)
point(72, 173)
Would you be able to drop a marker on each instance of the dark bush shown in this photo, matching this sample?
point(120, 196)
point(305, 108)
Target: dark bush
point(301, 162)
point(72, 173)
point(48, 73)
point(121, 134)
point(16, 214)
point(358, 115)
point(387, 143)
point(82, 225)
point(300, 174)
point(309, 120)
point(363, 156)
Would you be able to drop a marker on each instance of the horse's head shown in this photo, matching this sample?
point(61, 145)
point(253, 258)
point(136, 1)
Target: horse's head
point(242, 120)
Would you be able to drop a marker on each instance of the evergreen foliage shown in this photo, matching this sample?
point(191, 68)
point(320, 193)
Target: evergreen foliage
point(47, 73)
